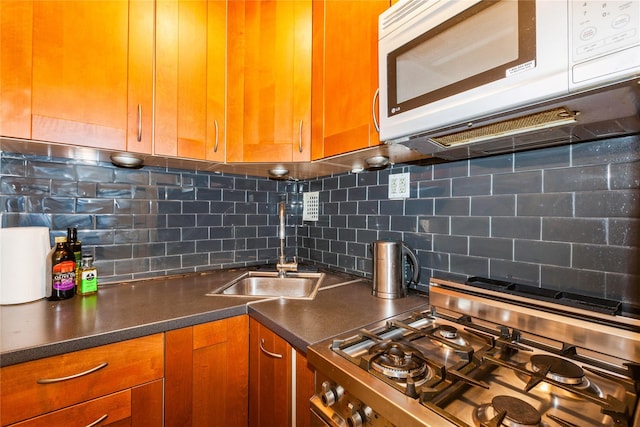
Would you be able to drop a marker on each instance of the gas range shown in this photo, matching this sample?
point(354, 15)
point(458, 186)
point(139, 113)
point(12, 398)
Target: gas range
point(479, 356)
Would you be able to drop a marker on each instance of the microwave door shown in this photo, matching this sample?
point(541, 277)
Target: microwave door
point(464, 52)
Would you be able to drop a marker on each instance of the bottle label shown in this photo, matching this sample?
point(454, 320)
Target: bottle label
point(64, 275)
point(89, 281)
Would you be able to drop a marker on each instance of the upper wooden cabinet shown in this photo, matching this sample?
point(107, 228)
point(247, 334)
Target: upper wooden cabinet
point(269, 84)
point(16, 23)
point(345, 75)
point(190, 79)
point(83, 72)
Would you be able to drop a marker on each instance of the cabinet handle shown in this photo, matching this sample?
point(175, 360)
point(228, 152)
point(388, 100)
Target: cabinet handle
point(98, 421)
point(373, 110)
point(70, 377)
point(300, 137)
point(267, 352)
point(139, 122)
point(215, 146)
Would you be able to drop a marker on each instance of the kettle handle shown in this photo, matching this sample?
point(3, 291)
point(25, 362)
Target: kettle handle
point(414, 260)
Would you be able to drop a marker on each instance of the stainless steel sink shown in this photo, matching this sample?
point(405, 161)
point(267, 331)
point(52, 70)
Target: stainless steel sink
point(268, 284)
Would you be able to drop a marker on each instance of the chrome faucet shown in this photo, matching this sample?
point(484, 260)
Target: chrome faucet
point(283, 266)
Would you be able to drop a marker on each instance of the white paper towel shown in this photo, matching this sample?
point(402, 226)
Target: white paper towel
point(23, 256)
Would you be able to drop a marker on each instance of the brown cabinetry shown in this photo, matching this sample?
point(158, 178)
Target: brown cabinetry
point(269, 81)
point(190, 79)
point(345, 75)
point(122, 381)
point(279, 386)
point(207, 374)
point(78, 72)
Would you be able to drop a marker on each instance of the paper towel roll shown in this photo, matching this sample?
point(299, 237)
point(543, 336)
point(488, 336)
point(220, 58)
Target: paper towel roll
point(23, 256)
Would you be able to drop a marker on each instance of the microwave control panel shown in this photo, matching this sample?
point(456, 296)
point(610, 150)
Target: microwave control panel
point(601, 27)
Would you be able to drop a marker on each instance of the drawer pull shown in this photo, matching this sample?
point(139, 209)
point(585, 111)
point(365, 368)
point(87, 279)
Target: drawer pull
point(267, 352)
point(70, 377)
point(98, 421)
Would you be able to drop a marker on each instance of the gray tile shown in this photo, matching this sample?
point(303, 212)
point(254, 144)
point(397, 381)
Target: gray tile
point(471, 186)
point(471, 266)
point(433, 224)
point(114, 221)
point(470, 226)
point(437, 188)
point(392, 207)
point(503, 205)
point(452, 206)
point(491, 248)
point(543, 252)
point(404, 223)
point(612, 259)
point(491, 165)
point(62, 221)
point(624, 175)
point(451, 244)
point(131, 176)
point(180, 193)
point(612, 203)
point(573, 280)
point(139, 207)
point(559, 204)
point(181, 220)
point(623, 287)
point(26, 186)
point(61, 171)
point(517, 272)
point(451, 169)
point(114, 191)
point(517, 183)
point(16, 167)
point(624, 232)
point(368, 208)
point(614, 150)
point(96, 206)
point(516, 227)
point(547, 158)
point(575, 230)
point(179, 248)
point(378, 222)
point(586, 178)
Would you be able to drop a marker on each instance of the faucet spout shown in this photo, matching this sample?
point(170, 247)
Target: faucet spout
point(283, 266)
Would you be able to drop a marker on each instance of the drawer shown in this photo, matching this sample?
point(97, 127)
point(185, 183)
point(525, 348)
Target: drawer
point(40, 386)
point(99, 412)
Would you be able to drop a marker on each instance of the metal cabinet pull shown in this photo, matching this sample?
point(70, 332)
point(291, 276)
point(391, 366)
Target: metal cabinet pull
point(139, 122)
point(70, 377)
point(215, 146)
point(300, 137)
point(98, 421)
point(267, 352)
point(373, 110)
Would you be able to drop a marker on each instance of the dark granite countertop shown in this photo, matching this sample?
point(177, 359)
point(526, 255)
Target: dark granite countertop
point(134, 309)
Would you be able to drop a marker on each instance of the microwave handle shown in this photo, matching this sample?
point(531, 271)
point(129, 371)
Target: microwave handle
point(373, 110)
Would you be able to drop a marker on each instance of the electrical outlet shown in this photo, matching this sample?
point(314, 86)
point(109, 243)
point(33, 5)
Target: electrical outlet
point(399, 185)
point(310, 206)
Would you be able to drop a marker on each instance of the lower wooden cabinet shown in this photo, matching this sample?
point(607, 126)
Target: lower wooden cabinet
point(122, 381)
point(280, 382)
point(206, 374)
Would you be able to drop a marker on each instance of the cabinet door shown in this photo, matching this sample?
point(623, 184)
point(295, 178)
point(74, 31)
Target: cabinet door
point(16, 20)
point(269, 84)
point(33, 388)
point(270, 378)
point(190, 70)
point(207, 375)
point(345, 75)
point(83, 62)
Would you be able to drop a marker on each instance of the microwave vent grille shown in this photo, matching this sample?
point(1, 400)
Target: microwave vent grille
point(532, 122)
point(402, 11)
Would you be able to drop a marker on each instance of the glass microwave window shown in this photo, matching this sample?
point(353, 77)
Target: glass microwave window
point(460, 52)
point(473, 48)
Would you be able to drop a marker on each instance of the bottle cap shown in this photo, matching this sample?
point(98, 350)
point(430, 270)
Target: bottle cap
point(60, 239)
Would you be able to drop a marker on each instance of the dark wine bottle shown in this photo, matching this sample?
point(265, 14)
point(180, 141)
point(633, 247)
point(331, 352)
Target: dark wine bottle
point(63, 274)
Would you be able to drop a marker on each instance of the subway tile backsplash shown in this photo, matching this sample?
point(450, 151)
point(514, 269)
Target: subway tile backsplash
point(565, 217)
point(149, 222)
point(562, 217)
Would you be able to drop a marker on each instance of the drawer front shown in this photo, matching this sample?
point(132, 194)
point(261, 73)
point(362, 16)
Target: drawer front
point(44, 385)
point(98, 412)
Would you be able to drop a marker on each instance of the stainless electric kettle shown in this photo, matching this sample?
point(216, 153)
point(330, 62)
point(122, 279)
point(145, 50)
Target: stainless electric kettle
point(390, 278)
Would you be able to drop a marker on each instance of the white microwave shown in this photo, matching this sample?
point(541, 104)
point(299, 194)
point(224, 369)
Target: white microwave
point(455, 72)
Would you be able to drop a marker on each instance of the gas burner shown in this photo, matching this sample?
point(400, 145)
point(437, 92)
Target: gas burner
point(447, 336)
point(516, 413)
point(398, 361)
point(561, 370)
point(448, 331)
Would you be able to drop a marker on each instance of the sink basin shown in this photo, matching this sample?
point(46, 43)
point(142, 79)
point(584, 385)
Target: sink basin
point(268, 284)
